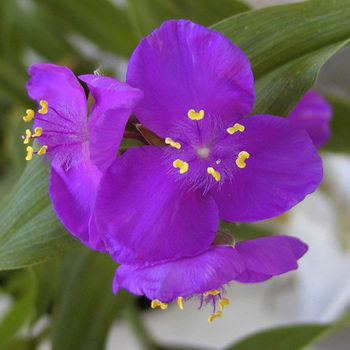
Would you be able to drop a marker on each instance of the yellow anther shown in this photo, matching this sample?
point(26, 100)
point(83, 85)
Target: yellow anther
point(216, 175)
point(236, 127)
point(212, 317)
point(156, 303)
point(183, 166)
point(38, 131)
point(240, 161)
point(170, 142)
point(29, 153)
point(27, 137)
point(44, 105)
point(211, 292)
point(193, 115)
point(42, 150)
point(29, 115)
point(180, 303)
point(223, 303)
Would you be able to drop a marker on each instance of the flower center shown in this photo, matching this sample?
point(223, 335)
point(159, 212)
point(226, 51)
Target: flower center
point(203, 152)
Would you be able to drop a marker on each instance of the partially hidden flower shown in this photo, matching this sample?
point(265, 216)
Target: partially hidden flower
point(205, 275)
point(80, 143)
point(313, 113)
point(159, 204)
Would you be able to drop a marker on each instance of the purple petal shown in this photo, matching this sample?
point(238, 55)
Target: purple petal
point(269, 256)
point(114, 102)
point(313, 113)
point(144, 215)
point(59, 87)
point(181, 278)
point(72, 194)
point(282, 169)
point(183, 66)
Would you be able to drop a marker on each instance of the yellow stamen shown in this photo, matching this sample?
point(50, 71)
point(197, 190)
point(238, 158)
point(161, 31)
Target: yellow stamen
point(42, 150)
point(44, 105)
point(156, 303)
point(236, 127)
point(170, 142)
point(29, 153)
point(38, 131)
point(183, 166)
point(27, 137)
point(193, 115)
point(213, 316)
point(216, 175)
point(29, 115)
point(211, 292)
point(180, 302)
point(240, 161)
point(223, 303)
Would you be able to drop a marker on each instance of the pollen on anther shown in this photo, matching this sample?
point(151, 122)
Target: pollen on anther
point(211, 292)
point(236, 127)
point(44, 105)
point(37, 131)
point(193, 115)
point(240, 161)
point(42, 150)
point(29, 115)
point(30, 151)
point(183, 166)
point(27, 137)
point(170, 142)
point(158, 303)
point(223, 303)
point(215, 174)
point(180, 302)
point(213, 316)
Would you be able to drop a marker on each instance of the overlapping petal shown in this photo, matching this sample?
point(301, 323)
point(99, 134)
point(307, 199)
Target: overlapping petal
point(114, 102)
point(72, 193)
point(313, 113)
point(269, 256)
point(183, 66)
point(282, 169)
point(60, 88)
point(181, 278)
point(144, 215)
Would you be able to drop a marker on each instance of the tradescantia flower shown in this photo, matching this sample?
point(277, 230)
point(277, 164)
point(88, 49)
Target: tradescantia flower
point(158, 204)
point(313, 113)
point(205, 275)
point(80, 145)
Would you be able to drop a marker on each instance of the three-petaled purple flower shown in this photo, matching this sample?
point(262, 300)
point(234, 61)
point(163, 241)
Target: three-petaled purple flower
point(80, 145)
point(156, 209)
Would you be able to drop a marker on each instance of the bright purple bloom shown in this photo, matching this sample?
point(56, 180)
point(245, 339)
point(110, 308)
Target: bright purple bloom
point(164, 203)
point(250, 261)
point(313, 113)
point(80, 144)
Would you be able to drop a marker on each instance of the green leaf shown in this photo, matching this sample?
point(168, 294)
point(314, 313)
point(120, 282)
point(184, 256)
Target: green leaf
point(291, 337)
point(340, 125)
point(287, 45)
point(86, 305)
point(29, 229)
point(149, 14)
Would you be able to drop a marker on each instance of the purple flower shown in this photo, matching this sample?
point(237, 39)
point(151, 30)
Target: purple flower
point(155, 203)
point(313, 113)
point(80, 145)
point(206, 274)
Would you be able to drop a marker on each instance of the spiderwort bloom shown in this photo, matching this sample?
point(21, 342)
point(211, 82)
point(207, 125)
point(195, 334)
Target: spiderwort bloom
point(80, 145)
point(313, 113)
point(157, 204)
point(206, 274)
